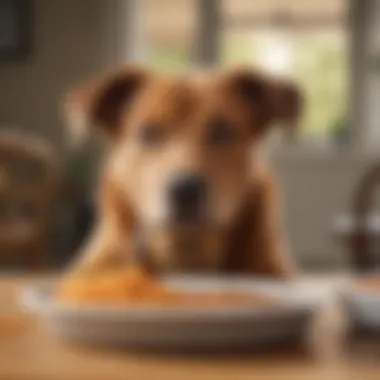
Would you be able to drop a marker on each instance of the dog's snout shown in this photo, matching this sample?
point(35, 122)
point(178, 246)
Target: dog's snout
point(187, 189)
point(187, 193)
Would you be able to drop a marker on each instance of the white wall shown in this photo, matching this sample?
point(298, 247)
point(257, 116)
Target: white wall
point(316, 188)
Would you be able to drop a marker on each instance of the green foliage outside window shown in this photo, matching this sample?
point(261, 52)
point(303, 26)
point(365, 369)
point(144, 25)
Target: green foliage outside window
point(320, 67)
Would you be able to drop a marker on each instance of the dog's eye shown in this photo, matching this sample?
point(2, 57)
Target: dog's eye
point(150, 134)
point(221, 132)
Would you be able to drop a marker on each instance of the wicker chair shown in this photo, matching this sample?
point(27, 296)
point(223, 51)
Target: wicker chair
point(28, 183)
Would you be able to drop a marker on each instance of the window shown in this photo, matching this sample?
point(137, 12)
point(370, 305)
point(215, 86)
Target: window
point(301, 39)
point(170, 29)
point(309, 45)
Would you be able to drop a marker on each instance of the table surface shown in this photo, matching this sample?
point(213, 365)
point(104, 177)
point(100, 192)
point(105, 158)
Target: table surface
point(28, 351)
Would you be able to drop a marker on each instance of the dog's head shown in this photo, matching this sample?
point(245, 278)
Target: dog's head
point(181, 146)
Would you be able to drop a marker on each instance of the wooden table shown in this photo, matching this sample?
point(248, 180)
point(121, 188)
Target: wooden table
point(28, 352)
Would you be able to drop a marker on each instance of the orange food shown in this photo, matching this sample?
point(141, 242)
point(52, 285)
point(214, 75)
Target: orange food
point(134, 286)
point(122, 286)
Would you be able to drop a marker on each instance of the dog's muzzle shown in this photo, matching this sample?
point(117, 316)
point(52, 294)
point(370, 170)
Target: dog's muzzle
point(187, 197)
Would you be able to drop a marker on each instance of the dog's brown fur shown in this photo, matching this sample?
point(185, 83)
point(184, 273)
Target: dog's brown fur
point(246, 234)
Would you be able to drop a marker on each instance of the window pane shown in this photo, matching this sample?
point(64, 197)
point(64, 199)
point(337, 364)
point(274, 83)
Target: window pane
point(315, 56)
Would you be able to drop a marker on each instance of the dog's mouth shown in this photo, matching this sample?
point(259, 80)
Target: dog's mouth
point(189, 217)
point(185, 248)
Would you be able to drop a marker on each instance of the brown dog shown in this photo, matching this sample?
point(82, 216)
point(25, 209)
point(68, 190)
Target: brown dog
point(184, 173)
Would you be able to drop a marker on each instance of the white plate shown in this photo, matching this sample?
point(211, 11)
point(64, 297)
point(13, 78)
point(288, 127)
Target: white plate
point(362, 307)
point(175, 327)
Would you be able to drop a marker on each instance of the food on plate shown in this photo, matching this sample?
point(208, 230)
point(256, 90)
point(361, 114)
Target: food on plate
point(134, 286)
point(126, 285)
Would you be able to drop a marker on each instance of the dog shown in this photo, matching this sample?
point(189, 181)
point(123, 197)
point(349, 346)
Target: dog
point(184, 186)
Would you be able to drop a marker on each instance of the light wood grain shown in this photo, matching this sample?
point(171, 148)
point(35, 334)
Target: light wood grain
point(27, 351)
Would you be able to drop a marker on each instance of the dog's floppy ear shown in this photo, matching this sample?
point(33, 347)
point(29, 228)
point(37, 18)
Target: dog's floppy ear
point(288, 105)
point(101, 103)
point(269, 101)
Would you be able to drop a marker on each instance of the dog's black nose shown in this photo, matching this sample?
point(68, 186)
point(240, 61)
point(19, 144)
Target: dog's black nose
point(187, 192)
point(187, 189)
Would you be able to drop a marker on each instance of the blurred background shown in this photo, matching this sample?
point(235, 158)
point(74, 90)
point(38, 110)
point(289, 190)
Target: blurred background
point(328, 176)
